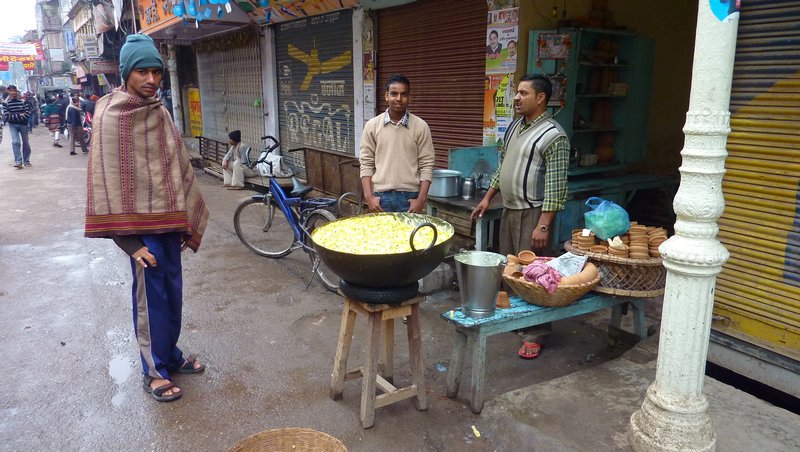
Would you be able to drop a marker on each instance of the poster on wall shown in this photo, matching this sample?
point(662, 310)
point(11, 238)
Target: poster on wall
point(498, 107)
point(502, 36)
point(195, 112)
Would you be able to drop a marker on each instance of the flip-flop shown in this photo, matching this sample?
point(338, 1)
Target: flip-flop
point(158, 393)
point(188, 366)
point(529, 350)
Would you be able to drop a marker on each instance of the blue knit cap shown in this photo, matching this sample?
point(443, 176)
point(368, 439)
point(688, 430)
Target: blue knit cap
point(138, 52)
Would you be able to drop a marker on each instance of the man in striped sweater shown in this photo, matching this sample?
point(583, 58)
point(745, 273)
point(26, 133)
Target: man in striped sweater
point(16, 113)
point(532, 176)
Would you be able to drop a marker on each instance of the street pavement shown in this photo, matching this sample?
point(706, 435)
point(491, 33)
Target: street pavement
point(72, 372)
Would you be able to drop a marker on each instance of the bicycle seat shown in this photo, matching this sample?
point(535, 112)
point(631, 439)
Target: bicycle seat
point(298, 188)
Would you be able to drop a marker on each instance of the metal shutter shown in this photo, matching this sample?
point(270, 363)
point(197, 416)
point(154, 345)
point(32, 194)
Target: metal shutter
point(315, 84)
point(758, 291)
point(230, 84)
point(440, 46)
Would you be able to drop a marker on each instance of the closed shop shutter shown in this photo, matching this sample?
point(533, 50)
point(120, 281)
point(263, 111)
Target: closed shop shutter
point(758, 292)
point(440, 46)
point(230, 88)
point(315, 84)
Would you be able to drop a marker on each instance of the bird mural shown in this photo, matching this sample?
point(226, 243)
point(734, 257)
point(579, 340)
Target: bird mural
point(317, 67)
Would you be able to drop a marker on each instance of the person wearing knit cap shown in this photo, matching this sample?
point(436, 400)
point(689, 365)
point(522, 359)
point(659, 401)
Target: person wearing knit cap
point(236, 163)
point(134, 149)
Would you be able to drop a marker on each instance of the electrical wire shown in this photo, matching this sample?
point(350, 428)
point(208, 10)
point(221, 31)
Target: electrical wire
point(547, 19)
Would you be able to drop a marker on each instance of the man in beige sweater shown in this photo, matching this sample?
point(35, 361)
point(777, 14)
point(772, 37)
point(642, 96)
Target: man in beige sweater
point(396, 155)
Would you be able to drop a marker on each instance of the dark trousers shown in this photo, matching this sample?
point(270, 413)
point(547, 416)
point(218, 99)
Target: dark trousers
point(76, 134)
point(157, 305)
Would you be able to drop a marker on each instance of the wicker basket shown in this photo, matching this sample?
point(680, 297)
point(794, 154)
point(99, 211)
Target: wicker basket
point(625, 276)
point(289, 440)
point(534, 293)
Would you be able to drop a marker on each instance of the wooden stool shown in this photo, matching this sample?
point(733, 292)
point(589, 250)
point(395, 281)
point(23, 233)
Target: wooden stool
point(379, 317)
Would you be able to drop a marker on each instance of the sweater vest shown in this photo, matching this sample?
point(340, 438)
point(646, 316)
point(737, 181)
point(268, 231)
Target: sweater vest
point(522, 173)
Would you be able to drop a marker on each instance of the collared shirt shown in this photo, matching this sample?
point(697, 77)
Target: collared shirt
point(556, 157)
point(388, 119)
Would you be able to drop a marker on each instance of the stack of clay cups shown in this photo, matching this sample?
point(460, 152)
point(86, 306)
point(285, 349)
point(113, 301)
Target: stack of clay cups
point(619, 252)
point(638, 248)
point(582, 242)
point(655, 238)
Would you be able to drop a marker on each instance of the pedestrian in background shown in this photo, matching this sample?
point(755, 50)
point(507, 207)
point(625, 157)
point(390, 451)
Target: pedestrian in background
point(32, 106)
point(235, 163)
point(51, 114)
point(75, 124)
point(397, 155)
point(137, 148)
point(16, 113)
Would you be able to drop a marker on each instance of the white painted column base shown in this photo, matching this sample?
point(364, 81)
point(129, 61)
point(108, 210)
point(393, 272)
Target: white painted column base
point(664, 428)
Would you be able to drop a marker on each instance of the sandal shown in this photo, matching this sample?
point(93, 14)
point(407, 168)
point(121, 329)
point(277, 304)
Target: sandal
point(529, 350)
point(188, 366)
point(158, 393)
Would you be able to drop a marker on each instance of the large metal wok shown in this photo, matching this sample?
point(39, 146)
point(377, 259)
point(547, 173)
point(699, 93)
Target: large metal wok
point(390, 270)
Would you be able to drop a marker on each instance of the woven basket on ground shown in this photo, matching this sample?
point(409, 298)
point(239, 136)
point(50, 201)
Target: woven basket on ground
point(289, 440)
point(625, 276)
point(534, 293)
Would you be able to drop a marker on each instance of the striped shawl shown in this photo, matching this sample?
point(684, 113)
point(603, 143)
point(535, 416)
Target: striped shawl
point(139, 179)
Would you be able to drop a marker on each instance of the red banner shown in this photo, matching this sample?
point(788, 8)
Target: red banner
point(3, 66)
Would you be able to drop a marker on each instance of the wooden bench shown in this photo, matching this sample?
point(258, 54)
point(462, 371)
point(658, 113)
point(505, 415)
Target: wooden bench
point(213, 151)
point(522, 315)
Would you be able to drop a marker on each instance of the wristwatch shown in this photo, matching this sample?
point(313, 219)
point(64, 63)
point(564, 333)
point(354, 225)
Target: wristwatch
point(543, 227)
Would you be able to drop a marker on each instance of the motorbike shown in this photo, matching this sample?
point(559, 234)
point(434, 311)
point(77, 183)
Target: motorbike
point(87, 129)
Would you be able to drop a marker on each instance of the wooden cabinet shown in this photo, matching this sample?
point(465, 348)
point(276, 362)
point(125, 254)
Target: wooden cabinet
point(601, 96)
point(602, 81)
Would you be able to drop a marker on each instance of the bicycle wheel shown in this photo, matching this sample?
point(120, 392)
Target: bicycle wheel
point(316, 219)
point(263, 228)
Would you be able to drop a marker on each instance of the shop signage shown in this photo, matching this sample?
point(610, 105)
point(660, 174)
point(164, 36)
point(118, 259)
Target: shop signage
point(195, 112)
point(3, 66)
point(155, 14)
point(69, 37)
point(89, 44)
point(104, 67)
point(26, 49)
point(16, 58)
point(283, 10)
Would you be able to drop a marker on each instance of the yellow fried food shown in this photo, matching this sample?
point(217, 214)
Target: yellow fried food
point(376, 234)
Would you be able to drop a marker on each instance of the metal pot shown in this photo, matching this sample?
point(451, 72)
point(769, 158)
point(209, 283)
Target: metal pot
point(390, 270)
point(445, 183)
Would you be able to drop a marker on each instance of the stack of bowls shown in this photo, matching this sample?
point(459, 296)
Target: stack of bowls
point(581, 241)
point(654, 239)
point(638, 248)
point(602, 249)
point(617, 251)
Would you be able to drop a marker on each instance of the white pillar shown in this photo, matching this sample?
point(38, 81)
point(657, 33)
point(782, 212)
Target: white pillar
point(175, 87)
point(673, 416)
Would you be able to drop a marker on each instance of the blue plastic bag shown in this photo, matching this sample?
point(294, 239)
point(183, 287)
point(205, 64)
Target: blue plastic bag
point(606, 219)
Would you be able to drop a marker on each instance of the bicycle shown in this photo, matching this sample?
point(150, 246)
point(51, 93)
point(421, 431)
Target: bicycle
point(275, 236)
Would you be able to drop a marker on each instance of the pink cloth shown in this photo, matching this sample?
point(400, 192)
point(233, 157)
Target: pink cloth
point(547, 276)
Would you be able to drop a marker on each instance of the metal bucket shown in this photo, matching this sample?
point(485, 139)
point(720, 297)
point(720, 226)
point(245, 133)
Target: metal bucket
point(479, 276)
